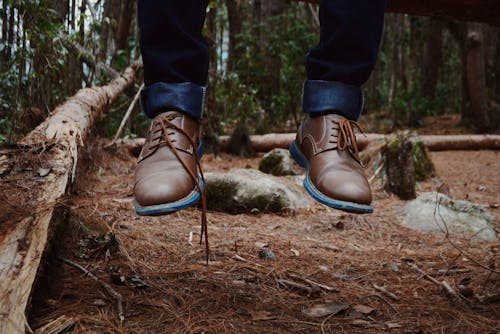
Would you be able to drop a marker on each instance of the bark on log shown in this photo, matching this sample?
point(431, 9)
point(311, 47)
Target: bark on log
point(465, 10)
point(265, 143)
point(23, 239)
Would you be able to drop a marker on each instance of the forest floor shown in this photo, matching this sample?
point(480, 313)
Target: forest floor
point(365, 264)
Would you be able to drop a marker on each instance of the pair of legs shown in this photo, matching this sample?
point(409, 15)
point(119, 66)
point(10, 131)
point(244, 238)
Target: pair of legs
point(175, 71)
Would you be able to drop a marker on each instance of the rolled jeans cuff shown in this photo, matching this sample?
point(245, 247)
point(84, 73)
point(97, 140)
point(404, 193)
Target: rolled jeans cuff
point(320, 96)
point(186, 97)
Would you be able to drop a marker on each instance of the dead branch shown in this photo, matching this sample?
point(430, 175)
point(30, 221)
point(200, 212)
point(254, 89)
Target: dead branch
point(385, 292)
point(88, 57)
point(59, 325)
point(424, 274)
point(118, 297)
point(454, 244)
point(128, 113)
point(445, 286)
point(314, 291)
point(319, 285)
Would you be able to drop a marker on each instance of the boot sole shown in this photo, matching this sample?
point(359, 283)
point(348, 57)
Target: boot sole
point(161, 209)
point(319, 196)
point(183, 203)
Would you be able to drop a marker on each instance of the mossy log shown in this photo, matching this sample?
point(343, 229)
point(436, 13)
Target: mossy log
point(397, 155)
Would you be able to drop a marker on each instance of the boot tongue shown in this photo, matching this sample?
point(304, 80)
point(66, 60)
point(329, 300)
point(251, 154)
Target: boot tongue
point(165, 125)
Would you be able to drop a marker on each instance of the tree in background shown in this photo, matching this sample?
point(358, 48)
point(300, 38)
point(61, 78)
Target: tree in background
point(51, 48)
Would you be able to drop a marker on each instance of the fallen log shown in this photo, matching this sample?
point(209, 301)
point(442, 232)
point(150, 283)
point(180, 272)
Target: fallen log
point(465, 10)
point(265, 143)
point(23, 232)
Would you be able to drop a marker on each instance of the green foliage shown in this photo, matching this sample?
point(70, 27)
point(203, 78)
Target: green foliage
point(246, 92)
point(29, 76)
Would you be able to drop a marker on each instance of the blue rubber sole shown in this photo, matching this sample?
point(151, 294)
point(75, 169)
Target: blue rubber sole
point(161, 209)
point(320, 197)
point(183, 203)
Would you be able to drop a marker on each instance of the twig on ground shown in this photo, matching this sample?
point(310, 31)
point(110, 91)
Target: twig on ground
point(453, 244)
point(383, 291)
point(322, 286)
point(118, 297)
point(424, 274)
point(190, 239)
point(242, 259)
point(382, 299)
point(59, 325)
point(297, 286)
point(450, 292)
point(128, 113)
point(378, 170)
point(445, 286)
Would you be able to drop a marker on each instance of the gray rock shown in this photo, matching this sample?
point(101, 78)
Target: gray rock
point(267, 254)
point(248, 190)
point(278, 162)
point(457, 217)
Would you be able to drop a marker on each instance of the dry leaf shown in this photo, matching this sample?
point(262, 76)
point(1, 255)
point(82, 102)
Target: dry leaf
point(43, 171)
point(321, 310)
point(361, 322)
point(363, 309)
point(262, 316)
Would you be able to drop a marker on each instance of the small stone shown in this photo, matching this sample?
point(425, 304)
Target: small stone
point(44, 171)
point(99, 302)
point(392, 266)
point(267, 254)
point(277, 162)
point(117, 279)
point(466, 291)
point(138, 283)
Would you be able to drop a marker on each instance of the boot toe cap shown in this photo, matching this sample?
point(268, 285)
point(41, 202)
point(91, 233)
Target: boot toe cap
point(345, 186)
point(162, 188)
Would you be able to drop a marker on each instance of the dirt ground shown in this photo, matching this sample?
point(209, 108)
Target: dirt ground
point(362, 266)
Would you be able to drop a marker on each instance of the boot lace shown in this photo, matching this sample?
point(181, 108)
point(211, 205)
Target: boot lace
point(167, 128)
point(346, 138)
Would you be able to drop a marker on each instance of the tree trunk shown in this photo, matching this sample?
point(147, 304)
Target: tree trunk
point(211, 120)
point(127, 11)
point(270, 86)
point(235, 22)
point(433, 59)
point(23, 232)
point(476, 77)
point(103, 46)
point(3, 18)
point(10, 33)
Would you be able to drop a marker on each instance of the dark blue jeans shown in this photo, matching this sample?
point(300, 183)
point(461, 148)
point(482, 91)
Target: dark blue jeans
point(175, 56)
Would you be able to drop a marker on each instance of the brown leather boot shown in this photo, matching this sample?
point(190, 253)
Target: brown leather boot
point(326, 146)
point(166, 177)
